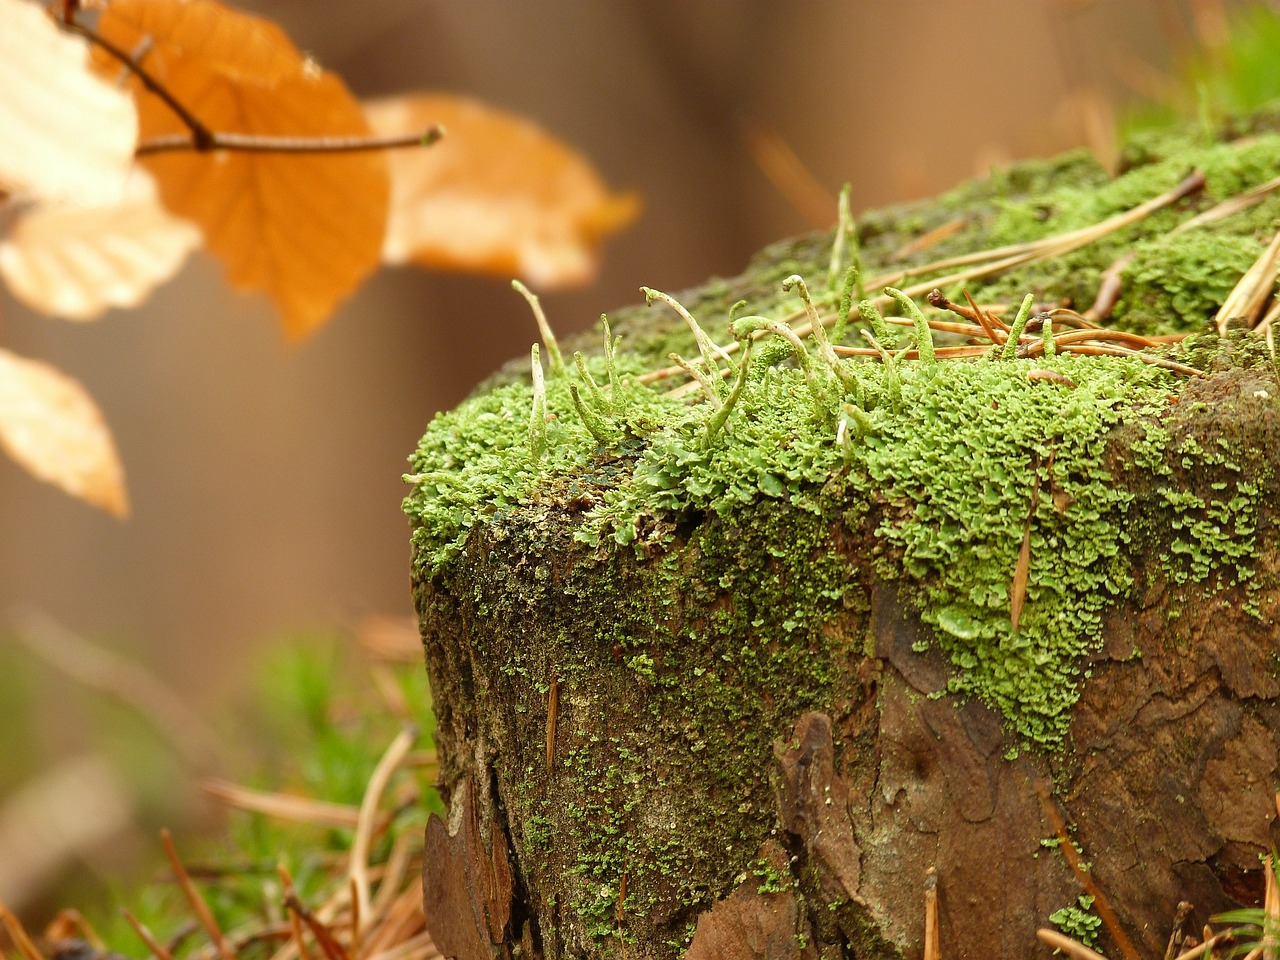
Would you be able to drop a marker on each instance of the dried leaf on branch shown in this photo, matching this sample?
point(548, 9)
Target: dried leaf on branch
point(76, 261)
point(304, 228)
point(52, 427)
point(68, 135)
point(498, 195)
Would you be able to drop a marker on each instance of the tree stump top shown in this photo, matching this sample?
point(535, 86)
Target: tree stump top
point(727, 662)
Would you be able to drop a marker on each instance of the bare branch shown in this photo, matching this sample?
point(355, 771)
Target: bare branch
point(200, 134)
point(203, 140)
point(265, 143)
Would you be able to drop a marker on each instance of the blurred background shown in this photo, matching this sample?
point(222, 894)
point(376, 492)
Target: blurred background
point(265, 476)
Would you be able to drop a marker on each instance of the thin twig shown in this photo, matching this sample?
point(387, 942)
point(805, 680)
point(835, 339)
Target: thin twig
point(203, 140)
point(199, 132)
point(266, 143)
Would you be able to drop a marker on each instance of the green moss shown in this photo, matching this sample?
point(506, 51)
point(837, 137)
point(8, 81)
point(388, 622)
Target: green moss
point(952, 460)
point(1185, 277)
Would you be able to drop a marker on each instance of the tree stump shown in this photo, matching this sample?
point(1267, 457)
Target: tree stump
point(741, 669)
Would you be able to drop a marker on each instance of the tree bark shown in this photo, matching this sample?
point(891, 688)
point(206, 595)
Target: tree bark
point(743, 745)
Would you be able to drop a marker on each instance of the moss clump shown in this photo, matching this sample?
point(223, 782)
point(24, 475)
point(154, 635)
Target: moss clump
point(950, 453)
point(947, 454)
point(1174, 280)
point(1208, 266)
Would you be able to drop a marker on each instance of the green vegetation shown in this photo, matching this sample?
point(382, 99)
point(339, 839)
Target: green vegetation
point(1077, 921)
point(316, 727)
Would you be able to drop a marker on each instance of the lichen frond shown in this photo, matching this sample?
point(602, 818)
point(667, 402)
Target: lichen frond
point(706, 346)
point(597, 423)
point(924, 335)
point(617, 397)
point(1016, 329)
point(538, 415)
point(844, 311)
point(596, 393)
point(721, 416)
point(846, 235)
point(544, 328)
point(871, 314)
point(818, 331)
point(700, 377)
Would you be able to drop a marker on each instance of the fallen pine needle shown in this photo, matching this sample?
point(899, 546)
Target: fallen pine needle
point(158, 950)
point(932, 950)
point(390, 762)
point(1100, 902)
point(1072, 948)
point(18, 934)
point(198, 906)
point(282, 806)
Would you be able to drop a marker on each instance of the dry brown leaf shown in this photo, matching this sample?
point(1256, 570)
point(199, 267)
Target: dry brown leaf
point(50, 425)
point(76, 261)
point(497, 195)
point(67, 134)
point(303, 228)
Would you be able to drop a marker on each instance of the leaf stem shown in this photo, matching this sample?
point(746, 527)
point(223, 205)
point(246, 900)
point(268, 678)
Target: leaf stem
point(201, 139)
point(265, 143)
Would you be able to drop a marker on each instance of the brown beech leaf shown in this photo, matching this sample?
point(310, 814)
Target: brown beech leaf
point(497, 195)
point(76, 261)
point(67, 135)
point(51, 426)
point(303, 228)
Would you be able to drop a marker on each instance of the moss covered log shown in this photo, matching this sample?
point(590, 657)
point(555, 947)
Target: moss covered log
point(726, 671)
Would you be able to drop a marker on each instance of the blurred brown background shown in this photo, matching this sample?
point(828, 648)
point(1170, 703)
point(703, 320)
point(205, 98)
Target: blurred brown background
point(265, 478)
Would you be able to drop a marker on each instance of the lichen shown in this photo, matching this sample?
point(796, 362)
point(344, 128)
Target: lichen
point(1078, 921)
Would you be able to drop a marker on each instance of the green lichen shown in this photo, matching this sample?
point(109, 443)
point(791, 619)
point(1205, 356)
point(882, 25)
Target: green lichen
point(1173, 281)
point(951, 453)
point(1077, 921)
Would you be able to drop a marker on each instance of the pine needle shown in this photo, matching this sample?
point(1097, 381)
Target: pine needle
point(390, 762)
